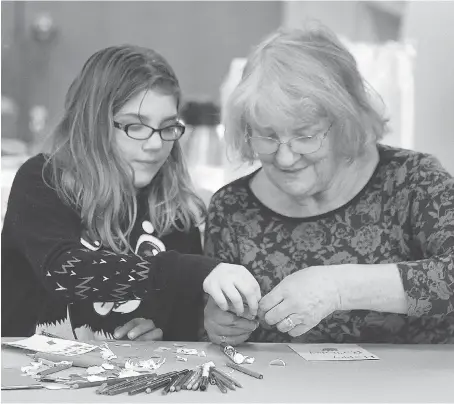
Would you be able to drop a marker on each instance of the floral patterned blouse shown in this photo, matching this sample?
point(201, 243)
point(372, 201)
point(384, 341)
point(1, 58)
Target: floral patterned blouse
point(403, 215)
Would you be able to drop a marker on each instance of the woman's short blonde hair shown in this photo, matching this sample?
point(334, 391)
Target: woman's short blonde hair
point(296, 77)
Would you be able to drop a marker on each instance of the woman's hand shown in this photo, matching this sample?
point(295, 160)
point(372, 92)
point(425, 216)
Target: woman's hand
point(301, 300)
point(234, 282)
point(226, 327)
point(139, 329)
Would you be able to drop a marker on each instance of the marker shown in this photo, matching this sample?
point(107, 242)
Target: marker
point(172, 381)
point(122, 381)
point(193, 378)
point(224, 381)
point(54, 369)
point(101, 388)
point(29, 387)
point(244, 370)
point(163, 383)
point(181, 382)
point(205, 375)
point(197, 381)
point(227, 377)
point(150, 386)
point(128, 385)
point(174, 384)
point(82, 385)
point(219, 384)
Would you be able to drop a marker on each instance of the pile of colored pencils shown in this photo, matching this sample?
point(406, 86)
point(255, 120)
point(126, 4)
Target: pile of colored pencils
point(195, 379)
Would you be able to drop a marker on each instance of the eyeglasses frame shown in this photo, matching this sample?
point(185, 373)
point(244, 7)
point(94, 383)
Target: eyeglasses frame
point(125, 128)
point(279, 142)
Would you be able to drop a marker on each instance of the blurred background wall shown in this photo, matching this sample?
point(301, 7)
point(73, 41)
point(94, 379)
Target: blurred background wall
point(44, 45)
point(199, 39)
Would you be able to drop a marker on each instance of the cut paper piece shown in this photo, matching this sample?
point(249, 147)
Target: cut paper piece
point(108, 366)
point(179, 345)
point(181, 358)
point(122, 344)
point(187, 351)
point(33, 368)
point(59, 346)
point(95, 378)
point(277, 362)
point(202, 354)
point(145, 366)
point(162, 349)
point(332, 352)
point(128, 373)
point(95, 370)
point(106, 352)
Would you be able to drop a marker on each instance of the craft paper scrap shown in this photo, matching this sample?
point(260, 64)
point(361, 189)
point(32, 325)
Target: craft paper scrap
point(332, 352)
point(41, 343)
point(106, 352)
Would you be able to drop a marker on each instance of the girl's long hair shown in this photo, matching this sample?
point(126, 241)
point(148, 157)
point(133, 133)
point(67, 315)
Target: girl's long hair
point(86, 169)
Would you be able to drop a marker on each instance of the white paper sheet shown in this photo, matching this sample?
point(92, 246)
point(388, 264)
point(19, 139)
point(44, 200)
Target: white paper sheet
point(41, 343)
point(332, 352)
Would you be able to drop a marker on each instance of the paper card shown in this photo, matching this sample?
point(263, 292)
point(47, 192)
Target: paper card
point(41, 343)
point(332, 352)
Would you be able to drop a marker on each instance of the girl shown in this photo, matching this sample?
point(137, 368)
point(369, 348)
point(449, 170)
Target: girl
point(103, 229)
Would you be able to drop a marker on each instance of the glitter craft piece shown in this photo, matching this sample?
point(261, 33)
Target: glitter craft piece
point(235, 356)
point(145, 366)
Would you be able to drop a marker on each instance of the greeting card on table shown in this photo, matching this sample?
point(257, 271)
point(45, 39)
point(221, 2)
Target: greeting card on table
point(332, 352)
point(41, 343)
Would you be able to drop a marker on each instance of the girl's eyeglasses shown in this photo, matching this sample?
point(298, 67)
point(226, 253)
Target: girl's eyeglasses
point(140, 131)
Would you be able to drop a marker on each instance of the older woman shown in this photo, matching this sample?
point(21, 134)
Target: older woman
point(350, 240)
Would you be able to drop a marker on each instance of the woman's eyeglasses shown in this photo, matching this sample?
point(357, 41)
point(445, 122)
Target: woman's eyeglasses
point(299, 144)
point(139, 131)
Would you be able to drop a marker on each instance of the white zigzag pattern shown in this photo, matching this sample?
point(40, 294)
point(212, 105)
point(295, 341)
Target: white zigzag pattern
point(143, 265)
point(69, 264)
point(143, 274)
point(83, 287)
point(121, 291)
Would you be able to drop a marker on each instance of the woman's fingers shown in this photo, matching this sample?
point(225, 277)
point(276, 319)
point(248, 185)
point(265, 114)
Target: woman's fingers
point(219, 298)
point(234, 296)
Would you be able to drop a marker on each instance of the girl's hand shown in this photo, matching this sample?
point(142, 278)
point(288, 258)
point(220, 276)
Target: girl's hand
point(139, 329)
point(236, 283)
